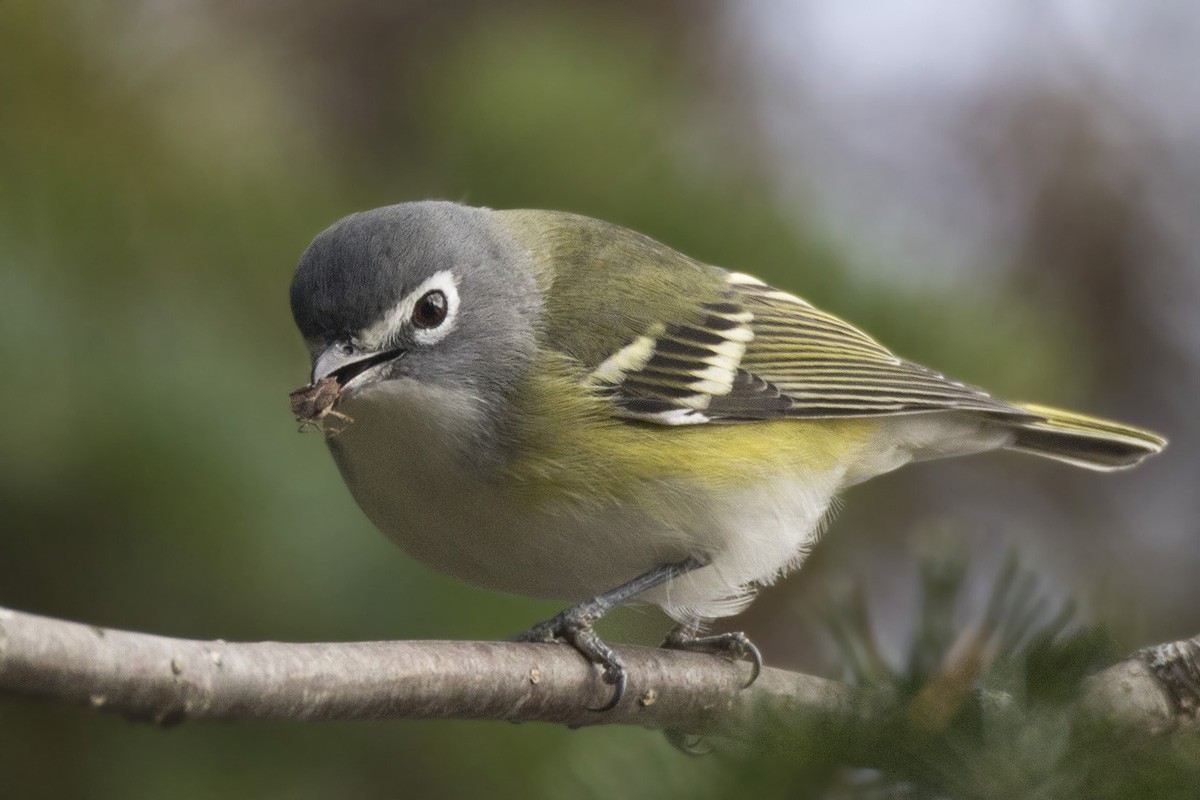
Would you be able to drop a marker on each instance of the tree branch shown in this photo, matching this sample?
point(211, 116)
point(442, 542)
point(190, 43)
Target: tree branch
point(1156, 690)
point(168, 681)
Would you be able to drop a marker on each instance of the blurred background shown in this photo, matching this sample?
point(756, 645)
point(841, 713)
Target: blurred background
point(1005, 191)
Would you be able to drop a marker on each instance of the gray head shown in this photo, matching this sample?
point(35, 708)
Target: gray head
point(432, 292)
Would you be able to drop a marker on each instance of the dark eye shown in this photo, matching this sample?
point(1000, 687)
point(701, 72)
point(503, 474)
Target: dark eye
point(430, 310)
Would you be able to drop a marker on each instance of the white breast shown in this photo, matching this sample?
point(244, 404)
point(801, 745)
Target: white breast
point(409, 470)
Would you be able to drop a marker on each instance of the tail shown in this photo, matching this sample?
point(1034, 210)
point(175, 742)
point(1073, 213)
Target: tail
point(1082, 440)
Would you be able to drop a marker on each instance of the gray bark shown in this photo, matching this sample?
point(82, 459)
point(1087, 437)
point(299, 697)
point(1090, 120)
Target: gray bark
point(168, 681)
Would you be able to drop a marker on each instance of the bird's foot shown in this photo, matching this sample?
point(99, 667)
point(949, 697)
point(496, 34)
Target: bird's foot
point(734, 645)
point(574, 627)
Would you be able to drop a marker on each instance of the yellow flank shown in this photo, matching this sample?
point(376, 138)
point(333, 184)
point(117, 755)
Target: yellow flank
point(585, 456)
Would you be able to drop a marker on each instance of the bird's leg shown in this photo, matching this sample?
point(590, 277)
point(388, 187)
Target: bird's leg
point(735, 645)
point(574, 626)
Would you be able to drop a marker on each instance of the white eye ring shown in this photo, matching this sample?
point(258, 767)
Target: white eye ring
point(445, 283)
point(400, 321)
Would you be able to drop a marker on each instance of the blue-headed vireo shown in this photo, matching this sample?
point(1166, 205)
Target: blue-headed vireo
point(549, 405)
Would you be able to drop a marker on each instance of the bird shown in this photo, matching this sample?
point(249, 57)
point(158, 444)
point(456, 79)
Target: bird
point(546, 404)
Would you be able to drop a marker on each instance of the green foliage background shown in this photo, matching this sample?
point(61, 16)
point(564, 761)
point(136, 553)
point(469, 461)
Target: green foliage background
point(161, 169)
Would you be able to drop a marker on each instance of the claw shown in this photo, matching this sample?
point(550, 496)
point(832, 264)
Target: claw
point(617, 676)
point(736, 645)
point(691, 744)
point(756, 662)
point(575, 629)
point(541, 633)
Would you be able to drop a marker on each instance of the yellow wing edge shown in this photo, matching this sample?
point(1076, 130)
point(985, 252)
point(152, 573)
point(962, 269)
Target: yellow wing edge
point(1082, 440)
